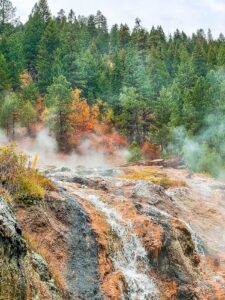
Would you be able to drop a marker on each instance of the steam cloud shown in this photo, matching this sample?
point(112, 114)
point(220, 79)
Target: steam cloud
point(204, 152)
point(45, 146)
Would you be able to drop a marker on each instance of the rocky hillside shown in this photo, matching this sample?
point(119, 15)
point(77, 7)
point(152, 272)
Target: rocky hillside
point(24, 274)
point(106, 234)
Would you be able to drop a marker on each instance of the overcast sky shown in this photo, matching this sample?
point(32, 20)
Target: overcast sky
point(187, 15)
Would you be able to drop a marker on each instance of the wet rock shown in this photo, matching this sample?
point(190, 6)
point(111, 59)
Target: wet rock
point(18, 277)
point(186, 293)
point(83, 277)
point(148, 191)
point(80, 241)
point(41, 266)
point(65, 169)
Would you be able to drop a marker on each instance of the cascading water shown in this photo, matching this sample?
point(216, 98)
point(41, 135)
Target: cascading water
point(130, 258)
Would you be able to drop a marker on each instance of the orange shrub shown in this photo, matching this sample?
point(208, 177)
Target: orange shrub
point(150, 151)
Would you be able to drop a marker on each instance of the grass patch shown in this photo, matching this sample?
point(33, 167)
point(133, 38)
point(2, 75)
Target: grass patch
point(20, 181)
point(153, 176)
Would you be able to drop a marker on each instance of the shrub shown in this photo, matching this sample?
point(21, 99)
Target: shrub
point(135, 154)
point(23, 183)
point(150, 151)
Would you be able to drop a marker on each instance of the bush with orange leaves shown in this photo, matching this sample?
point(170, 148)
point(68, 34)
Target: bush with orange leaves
point(84, 117)
point(93, 123)
point(150, 151)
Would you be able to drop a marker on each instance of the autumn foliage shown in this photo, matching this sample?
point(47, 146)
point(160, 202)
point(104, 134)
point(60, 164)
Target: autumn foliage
point(150, 151)
point(91, 126)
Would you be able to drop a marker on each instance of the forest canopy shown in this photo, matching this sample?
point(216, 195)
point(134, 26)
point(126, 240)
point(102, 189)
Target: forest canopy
point(75, 73)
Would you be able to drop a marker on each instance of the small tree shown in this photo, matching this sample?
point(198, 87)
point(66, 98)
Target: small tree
point(135, 117)
point(135, 154)
point(9, 114)
point(30, 92)
point(59, 100)
point(27, 116)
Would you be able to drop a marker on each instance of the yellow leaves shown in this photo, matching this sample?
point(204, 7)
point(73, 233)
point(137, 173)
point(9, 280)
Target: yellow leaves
point(76, 94)
point(21, 182)
point(5, 194)
point(153, 176)
point(34, 162)
point(25, 79)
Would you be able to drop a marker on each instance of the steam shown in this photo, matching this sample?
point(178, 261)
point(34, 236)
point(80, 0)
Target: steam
point(3, 138)
point(204, 152)
point(44, 145)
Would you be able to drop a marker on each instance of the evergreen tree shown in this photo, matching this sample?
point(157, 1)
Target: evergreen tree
point(27, 115)
point(46, 55)
point(4, 74)
point(157, 73)
point(7, 13)
point(135, 74)
point(15, 56)
point(114, 41)
point(139, 36)
point(199, 60)
point(134, 111)
point(59, 99)
point(9, 114)
point(124, 35)
point(34, 29)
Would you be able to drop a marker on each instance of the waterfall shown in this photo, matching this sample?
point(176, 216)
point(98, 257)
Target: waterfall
point(130, 258)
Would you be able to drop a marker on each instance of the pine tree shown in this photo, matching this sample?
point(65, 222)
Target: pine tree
point(157, 73)
point(59, 99)
point(9, 114)
point(34, 29)
point(139, 36)
point(124, 35)
point(4, 74)
point(46, 55)
point(7, 12)
point(27, 115)
point(199, 60)
point(15, 57)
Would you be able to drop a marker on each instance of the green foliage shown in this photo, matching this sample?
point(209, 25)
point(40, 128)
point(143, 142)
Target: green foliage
point(59, 99)
point(34, 30)
point(4, 74)
point(134, 118)
point(9, 114)
point(27, 115)
point(7, 12)
point(15, 56)
point(135, 154)
point(30, 92)
point(46, 53)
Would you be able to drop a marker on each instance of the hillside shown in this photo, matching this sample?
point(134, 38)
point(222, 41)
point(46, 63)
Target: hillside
point(97, 234)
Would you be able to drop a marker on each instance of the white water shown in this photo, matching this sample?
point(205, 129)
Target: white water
point(130, 257)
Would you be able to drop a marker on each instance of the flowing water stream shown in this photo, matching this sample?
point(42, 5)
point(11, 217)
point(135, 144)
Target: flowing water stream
point(130, 258)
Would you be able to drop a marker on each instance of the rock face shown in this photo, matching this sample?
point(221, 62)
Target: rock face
point(21, 277)
point(83, 275)
point(100, 237)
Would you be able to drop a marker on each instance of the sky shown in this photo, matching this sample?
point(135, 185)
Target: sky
point(187, 15)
